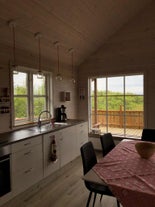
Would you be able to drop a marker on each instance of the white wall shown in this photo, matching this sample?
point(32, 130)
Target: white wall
point(4, 82)
point(68, 86)
point(131, 50)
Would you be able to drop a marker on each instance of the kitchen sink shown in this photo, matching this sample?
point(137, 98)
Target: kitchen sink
point(48, 127)
point(43, 128)
point(61, 123)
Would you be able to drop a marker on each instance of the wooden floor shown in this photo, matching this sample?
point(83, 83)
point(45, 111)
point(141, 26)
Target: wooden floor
point(65, 189)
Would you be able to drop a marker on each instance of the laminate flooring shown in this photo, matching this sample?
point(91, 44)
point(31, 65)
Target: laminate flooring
point(65, 189)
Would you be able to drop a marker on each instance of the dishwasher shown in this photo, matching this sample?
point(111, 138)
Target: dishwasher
point(5, 184)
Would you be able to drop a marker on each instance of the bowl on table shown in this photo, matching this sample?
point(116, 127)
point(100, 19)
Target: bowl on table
point(145, 149)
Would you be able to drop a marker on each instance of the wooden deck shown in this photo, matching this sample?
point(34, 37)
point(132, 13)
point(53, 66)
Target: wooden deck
point(135, 133)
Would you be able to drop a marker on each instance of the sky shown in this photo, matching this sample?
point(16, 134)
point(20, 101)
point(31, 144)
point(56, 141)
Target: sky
point(133, 84)
point(20, 80)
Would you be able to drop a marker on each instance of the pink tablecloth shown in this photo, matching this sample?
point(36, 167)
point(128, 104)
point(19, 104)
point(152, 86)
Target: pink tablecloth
point(130, 178)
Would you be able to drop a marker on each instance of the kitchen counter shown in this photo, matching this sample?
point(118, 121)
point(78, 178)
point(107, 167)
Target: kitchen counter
point(18, 135)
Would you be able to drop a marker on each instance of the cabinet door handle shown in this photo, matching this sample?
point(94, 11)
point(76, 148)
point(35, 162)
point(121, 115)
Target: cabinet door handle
point(27, 153)
point(4, 160)
point(28, 171)
point(27, 143)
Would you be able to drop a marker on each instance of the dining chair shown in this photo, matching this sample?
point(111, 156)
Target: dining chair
point(148, 135)
point(107, 143)
point(89, 159)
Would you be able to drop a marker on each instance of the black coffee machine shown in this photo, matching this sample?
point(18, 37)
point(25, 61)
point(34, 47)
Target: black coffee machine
point(60, 114)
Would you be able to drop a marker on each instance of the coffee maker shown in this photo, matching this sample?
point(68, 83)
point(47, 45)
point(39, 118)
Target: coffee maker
point(60, 114)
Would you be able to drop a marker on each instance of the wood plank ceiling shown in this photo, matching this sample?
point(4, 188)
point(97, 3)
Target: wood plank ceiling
point(80, 24)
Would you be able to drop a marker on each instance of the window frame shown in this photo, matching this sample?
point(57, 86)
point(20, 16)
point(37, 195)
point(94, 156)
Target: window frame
point(48, 96)
point(106, 95)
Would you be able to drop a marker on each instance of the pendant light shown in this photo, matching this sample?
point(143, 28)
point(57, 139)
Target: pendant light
point(38, 36)
point(72, 61)
point(12, 24)
point(58, 76)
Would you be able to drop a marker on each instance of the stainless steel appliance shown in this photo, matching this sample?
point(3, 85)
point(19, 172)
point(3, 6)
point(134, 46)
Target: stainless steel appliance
point(61, 114)
point(5, 184)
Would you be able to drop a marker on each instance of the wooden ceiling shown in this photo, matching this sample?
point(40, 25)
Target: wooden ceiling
point(83, 25)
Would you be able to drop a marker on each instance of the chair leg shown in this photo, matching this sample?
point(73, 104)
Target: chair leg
point(101, 197)
point(94, 199)
point(118, 205)
point(88, 201)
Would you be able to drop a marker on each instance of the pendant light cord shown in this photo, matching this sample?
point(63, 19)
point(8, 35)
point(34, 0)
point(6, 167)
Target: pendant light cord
point(38, 36)
point(58, 57)
point(58, 76)
point(12, 25)
point(14, 45)
point(39, 54)
point(73, 75)
point(72, 66)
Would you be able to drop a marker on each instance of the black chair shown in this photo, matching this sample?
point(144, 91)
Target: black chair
point(107, 143)
point(89, 160)
point(148, 135)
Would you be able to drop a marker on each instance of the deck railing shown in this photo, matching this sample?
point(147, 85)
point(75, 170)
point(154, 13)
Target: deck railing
point(131, 119)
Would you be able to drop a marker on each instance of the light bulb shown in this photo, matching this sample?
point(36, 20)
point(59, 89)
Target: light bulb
point(40, 75)
point(73, 80)
point(15, 69)
point(58, 77)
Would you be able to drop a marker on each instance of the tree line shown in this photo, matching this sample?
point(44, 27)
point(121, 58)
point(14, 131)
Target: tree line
point(117, 101)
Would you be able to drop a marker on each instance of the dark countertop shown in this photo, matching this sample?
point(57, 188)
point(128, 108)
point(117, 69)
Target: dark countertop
point(19, 135)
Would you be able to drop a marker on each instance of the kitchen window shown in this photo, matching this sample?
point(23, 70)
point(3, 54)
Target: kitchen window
point(31, 95)
point(116, 105)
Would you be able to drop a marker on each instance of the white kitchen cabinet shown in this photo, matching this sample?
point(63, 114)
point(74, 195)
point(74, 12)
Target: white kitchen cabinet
point(82, 135)
point(27, 163)
point(68, 145)
point(51, 166)
point(30, 158)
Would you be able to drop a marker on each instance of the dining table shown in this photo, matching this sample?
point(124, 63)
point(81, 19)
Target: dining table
point(130, 177)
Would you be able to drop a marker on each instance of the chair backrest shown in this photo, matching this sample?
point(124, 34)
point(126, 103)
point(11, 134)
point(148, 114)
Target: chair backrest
point(148, 135)
point(88, 156)
point(107, 143)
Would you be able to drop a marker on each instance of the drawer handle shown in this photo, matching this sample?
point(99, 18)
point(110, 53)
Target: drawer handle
point(28, 171)
point(27, 153)
point(27, 143)
point(4, 160)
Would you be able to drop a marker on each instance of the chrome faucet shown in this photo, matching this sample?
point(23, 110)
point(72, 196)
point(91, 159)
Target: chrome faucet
point(39, 117)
